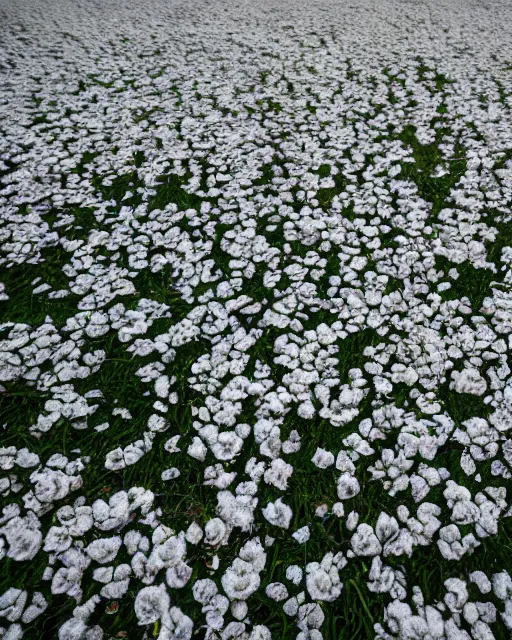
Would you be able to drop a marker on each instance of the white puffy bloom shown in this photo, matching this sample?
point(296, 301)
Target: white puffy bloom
point(278, 474)
point(236, 511)
point(348, 486)
point(502, 585)
point(197, 449)
point(278, 514)
point(240, 580)
point(481, 580)
point(168, 551)
point(151, 604)
point(383, 579)
point(451, 544)
point(260, 632)
point(104, 550)
point(170, 474)
point(338, 509)
point(194, 533)
point(227, 446)
point(457, 594)
point(302, 535)
point(364, 542)
point(35, 609)
point(204, 590)
point(77, 520)
point(51, 484)
point(252, 551)
point(12, 603)
point(23, 537)
point(352, 520)
point(276, 591)
point(323, 584)
point(157, 423)
point(215, 532)
point(178, 575)
point(468, 380)
point(239, 609)
point(322, 458)
point(310, 617)
point(75, 629)
point(294, 573)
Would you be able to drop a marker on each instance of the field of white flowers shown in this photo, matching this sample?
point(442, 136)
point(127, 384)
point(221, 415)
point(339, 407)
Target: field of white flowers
point(255, 319)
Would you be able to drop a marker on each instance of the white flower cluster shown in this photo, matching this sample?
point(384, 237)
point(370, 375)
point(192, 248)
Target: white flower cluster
point(256, 319)
point(449, 617)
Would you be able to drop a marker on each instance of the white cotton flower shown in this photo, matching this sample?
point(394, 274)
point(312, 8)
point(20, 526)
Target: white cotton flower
point(167, 552)
point(481, 580)
point(240, 580)
point(452, 545)
point(457, 595)
point(302, 535)
point(151, 603)
point(386, 527)
point(178, 575)
point(348, 486)
point(104, 550)
point(35, 609)
point(227, 446)
point(294, 573)
point(103, 574)
point(293, 443)
point(114, 460)
point(162, 386)
point(216, 476)
point(364, 542)
point(215, 532)
point(502, 585)
point(236, 511)
point(344, 463)
point(115, 589)
point(403, 374)
point(76, 629)
point(322, 458)
point(157, 423)
point(383, 579)
point(170, 474)
point(77, 520)
point(352, 520)
point(278, 514)
point(291, 606)
point(278, 473)
point(51, 485)
point(171, 445)
point(260, 632)
point(12, 603)
point(321, 510)
point(194, 533)
point(382, 385)
point(252, 551)
point(197, 449)
point(309, 617)
point(132, 541)
point(204, 590)
point(23, 537)
point(323, 581)
point(26, 459)
point(276, 591)
point(468, 380)
point(239, 609)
